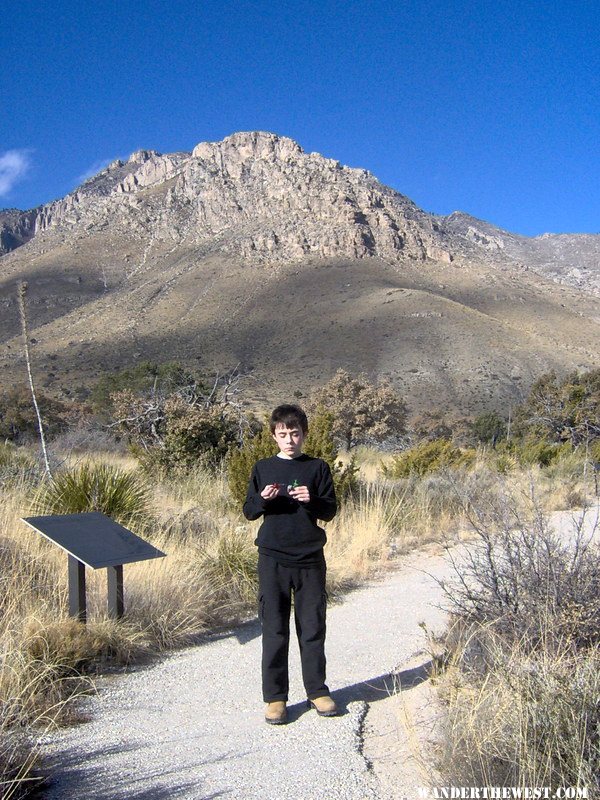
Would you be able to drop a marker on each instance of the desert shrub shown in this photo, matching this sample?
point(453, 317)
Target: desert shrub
point(88, 435)
point(532, 718)
point(442, 424)
point(178, 431)
point(523, 682)
point(18, 420)
point(540, 452)
point(122, 495)
point(428, 457)
point(363, 412)
point(520, 572)
point(193, 434)
point(505, 461)
point(489, 428)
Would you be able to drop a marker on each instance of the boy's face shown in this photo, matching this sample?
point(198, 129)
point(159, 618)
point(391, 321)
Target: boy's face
point(289, 440)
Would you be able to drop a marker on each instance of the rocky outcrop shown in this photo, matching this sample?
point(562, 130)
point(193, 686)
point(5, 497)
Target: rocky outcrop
point(16, 228)
point(253, 194)
point(570, 259)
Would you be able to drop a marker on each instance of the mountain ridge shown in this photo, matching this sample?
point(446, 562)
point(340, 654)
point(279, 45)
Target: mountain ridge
point(251, 251)
point(567, 258)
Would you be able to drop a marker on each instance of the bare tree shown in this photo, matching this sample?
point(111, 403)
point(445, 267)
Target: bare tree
point(21, 292)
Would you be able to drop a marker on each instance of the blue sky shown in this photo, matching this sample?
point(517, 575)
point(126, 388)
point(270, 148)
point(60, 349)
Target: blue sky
point(486, 107)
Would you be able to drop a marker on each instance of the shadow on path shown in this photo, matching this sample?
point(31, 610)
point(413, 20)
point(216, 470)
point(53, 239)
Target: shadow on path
point(371, 690)
point(160, 780)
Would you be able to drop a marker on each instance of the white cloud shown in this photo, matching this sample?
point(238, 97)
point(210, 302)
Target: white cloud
point(14, 165)
point(94, 169)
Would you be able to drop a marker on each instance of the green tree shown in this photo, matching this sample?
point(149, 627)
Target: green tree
point(320, 443)
point(144, 379)
point(489, 428)
point(566, 410)
point(241, 460)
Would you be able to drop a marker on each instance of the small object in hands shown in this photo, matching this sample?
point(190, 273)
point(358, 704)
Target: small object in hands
point(276, 486)
point(293, 485)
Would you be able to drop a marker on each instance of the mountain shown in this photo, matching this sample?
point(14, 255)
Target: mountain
point(252, 251)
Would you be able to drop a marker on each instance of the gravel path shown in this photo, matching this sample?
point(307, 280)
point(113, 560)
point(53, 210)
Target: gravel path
point(191, 726)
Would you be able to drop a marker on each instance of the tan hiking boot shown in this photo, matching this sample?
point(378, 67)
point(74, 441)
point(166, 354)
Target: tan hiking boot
point(325, 706)
point(276, 713)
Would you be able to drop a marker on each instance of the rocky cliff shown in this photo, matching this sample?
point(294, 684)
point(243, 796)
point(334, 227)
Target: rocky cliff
point(261, 196)
point(253, 194)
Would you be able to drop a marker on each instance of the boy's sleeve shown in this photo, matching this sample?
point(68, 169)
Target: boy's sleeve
point(324, 504)
point(254, 504)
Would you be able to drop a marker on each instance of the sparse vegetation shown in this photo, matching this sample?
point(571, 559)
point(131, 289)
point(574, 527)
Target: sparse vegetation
point(523, 683)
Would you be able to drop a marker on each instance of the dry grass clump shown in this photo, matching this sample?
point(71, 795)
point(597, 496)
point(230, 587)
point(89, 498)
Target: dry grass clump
point(360, 535)
point(523, 683)
point(229, 566)
point(531, 718)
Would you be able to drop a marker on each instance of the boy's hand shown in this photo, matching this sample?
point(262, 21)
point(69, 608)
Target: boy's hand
point(300, 493)
point(270, 491)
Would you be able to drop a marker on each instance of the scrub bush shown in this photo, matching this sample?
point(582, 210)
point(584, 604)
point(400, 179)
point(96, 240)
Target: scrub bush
point(522, 678)
point(428, 457)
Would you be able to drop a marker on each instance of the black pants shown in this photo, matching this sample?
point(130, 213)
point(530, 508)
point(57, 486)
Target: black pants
point(275, 585)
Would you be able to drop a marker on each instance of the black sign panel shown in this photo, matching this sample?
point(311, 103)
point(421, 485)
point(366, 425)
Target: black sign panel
point(93, 538)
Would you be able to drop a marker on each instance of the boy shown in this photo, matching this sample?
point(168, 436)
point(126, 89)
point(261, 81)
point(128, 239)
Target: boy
point(291, 490)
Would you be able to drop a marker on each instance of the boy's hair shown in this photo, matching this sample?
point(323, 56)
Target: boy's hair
point(290, 416)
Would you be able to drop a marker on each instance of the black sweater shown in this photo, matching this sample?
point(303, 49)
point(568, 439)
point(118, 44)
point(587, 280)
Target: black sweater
point(289, 532)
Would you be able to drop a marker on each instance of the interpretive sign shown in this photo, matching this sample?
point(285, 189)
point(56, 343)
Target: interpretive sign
point(95, 540)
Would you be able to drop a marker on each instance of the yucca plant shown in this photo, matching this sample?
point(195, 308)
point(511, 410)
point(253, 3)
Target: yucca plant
point(122, 495)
